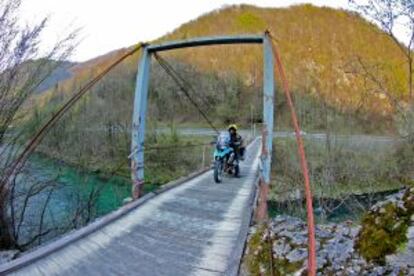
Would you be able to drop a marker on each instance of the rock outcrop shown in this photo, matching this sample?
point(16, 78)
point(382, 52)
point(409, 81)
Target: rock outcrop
point(342, 249)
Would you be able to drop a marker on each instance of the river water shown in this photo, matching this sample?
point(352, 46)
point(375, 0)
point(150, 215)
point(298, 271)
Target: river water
point(64, 197)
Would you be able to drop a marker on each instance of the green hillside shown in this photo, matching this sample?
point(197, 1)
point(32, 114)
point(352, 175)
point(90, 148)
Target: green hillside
point(319, 47)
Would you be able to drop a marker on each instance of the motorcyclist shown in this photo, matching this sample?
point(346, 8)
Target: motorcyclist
point(236, 141)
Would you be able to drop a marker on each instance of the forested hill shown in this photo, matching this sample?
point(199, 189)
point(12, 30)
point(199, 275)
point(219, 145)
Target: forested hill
point(321, 48)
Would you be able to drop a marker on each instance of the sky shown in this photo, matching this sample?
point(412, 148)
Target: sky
point(107, 25)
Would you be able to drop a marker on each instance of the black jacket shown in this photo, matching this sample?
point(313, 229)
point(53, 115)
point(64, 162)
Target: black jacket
point(236, 141)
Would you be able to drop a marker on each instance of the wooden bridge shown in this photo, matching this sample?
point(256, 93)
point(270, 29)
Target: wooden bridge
point(192, 227)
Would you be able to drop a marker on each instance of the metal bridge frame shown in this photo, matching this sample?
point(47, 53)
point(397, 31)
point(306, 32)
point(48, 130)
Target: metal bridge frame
point(141, 98)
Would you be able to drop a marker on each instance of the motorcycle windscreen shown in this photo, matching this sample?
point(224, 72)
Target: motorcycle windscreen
point(223, 140)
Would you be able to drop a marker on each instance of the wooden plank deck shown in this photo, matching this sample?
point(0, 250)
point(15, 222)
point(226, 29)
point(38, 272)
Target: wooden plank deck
point(196, 228)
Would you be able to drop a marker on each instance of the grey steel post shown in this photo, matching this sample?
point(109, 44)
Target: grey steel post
point(268, 103)
point(138, 123)
point(267, 131)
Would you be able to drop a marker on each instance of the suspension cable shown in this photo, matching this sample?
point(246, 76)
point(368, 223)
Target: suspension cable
point(37, 138)
point(182, 84)
point(183, 80)
point(303, 163)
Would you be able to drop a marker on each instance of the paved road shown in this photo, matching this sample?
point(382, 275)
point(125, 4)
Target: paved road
point(352, 140)
point(355, 141)
point(283, 134)
point(197, 228)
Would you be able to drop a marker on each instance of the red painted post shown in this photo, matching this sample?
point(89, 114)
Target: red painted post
point(262, 214)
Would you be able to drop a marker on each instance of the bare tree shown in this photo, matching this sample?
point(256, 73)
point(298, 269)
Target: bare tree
point(391, 16)
point(22, 69)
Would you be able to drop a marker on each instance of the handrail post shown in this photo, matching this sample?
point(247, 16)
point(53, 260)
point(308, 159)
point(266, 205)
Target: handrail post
point(203, 161)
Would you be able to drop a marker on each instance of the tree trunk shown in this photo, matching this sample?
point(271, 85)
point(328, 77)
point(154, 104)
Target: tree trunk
point(6, 238)
point(410, 79)
point(410, 99)
point(2, 133)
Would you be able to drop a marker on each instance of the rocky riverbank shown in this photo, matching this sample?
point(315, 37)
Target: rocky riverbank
point(7, 256)
point(382, 245)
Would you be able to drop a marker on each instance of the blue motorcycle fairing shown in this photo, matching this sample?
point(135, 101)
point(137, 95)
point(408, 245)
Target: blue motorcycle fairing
point(222, 153)
point(222, 145)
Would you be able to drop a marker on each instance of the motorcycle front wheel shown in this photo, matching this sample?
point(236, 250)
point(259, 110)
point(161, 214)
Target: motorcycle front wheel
point(218, 171)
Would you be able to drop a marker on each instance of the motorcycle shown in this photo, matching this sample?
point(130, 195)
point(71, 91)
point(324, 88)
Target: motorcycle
point(225, 160)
